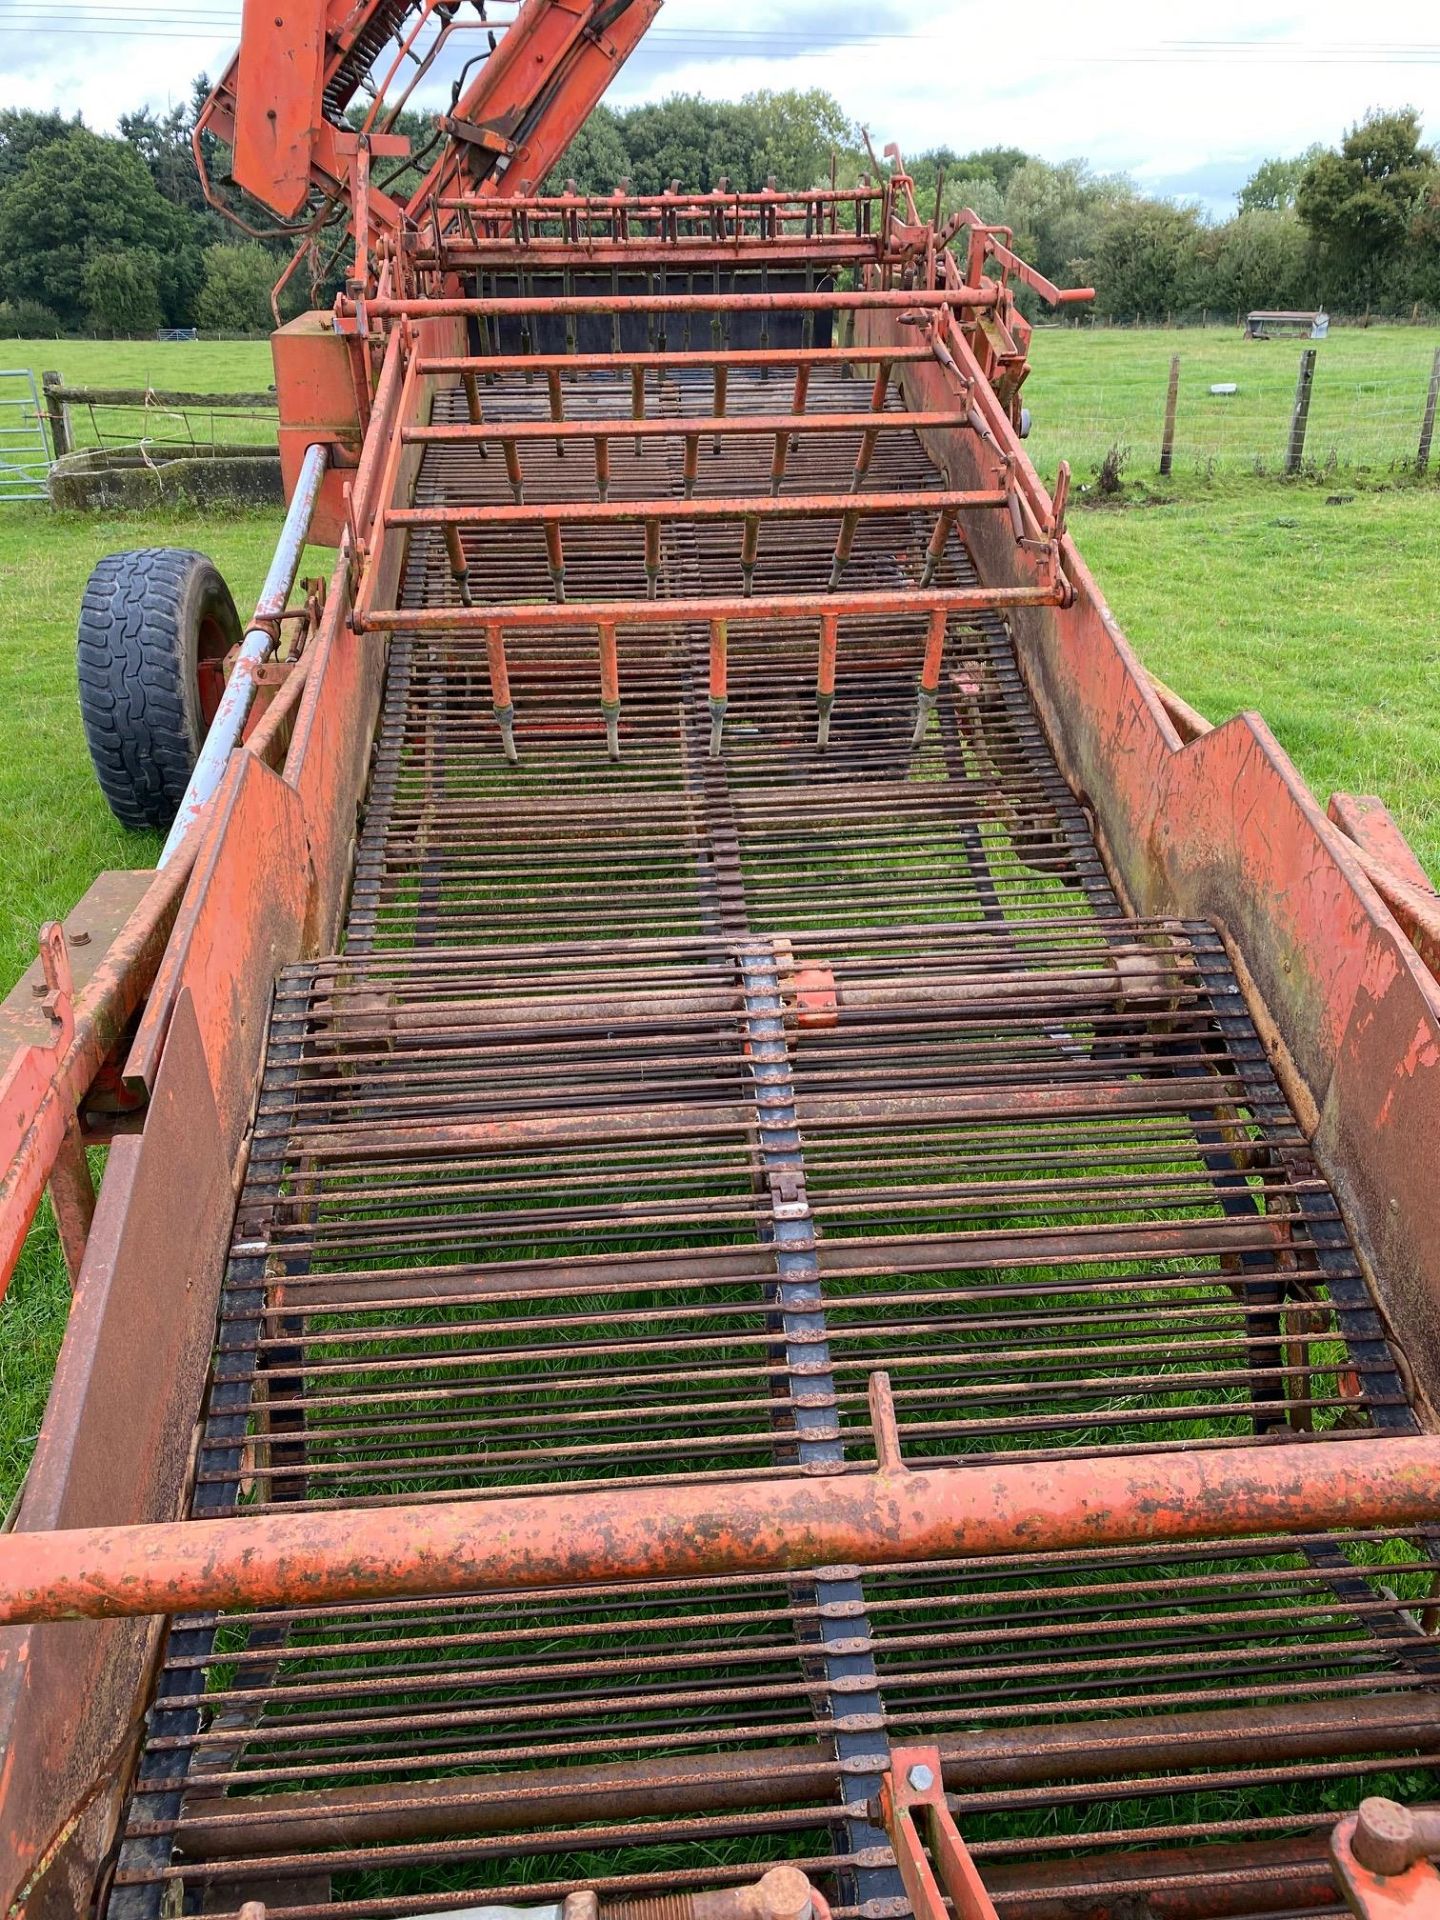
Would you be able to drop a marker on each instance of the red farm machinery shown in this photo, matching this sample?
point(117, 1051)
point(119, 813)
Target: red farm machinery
point(771, 1239)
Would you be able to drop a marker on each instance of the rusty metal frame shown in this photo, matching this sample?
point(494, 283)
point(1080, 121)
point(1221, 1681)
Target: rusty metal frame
point(1331, 923)
point(915, 1786)
point(890, 1514)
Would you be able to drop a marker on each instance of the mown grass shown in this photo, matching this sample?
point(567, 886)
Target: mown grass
point(1094, 388)
point(1319, 615)
point(56, 832)
point(182, 366)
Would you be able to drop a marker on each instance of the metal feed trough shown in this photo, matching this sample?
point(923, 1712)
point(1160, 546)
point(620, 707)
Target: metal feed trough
point(771, 1238)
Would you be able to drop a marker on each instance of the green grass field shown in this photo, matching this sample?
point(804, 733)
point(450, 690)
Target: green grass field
point(184, 366)
point(1093, 388)
point(1238, 590)
point(1322, 617)
point(176, 366)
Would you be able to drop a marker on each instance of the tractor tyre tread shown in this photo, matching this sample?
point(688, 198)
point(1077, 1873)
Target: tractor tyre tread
point(135, 659)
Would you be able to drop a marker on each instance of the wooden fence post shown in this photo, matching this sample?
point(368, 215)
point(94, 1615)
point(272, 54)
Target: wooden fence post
point(1295, 453)
point(55, 412)
point(1172, 394)
point(1427, 425)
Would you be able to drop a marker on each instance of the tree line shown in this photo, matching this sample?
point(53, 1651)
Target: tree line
point(111, 233)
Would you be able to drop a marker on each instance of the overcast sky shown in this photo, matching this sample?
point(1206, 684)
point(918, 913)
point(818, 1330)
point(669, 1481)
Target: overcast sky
point(1184, 97)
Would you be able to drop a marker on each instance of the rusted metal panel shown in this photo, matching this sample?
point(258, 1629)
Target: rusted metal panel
point(112, 1445)
point(278, 104)
point(319, 398)
point(1365, 819)
point(1392, 867)
point(242, 919)
point(90, 927)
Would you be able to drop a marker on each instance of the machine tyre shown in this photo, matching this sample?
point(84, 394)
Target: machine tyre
point(155, 627)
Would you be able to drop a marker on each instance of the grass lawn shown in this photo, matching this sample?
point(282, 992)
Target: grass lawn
point(184, 366)
point(1321, 617)
point(176, 366)
point(1092, 388)
point(1239, 591)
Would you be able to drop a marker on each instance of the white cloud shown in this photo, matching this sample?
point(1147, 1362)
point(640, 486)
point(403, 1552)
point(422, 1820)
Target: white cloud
point(1166, 93)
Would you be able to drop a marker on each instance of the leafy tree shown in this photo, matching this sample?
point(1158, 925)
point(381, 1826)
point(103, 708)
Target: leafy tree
point(1059, 214)
point(980, 195)
point(163, 143)
point(1258, 259)
point(597, 159)
point(1360, 204)
point(23, 131)
point(700, 142)
point(235, 297)
point(1425, 247)
point(122, 291)
point(999, 164)
point(28, 320)
point(966, 175)
point(697, 142)
point(1274, 185)
point(81, 196)
point(798, 134)
point(1146, 261)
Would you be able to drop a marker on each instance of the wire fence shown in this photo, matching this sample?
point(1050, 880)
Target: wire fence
point(81, 418)
point(1370, 405)
point(1238, 405)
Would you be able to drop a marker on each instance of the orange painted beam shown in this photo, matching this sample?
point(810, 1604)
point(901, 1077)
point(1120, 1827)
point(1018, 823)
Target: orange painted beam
point(882, 1516)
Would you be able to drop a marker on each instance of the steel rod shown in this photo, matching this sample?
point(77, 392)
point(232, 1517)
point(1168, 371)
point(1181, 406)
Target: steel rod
point(709, 507)
point(259, 641)
point(515, 307)
point(789, 1523)
point(697, 358)
point(457, 433)
point(774, 606)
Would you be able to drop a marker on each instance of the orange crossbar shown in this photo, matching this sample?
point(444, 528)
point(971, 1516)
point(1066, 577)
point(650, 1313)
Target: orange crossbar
point(791, 1522)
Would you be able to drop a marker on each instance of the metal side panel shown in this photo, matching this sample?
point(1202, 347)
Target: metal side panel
point(113, 1448)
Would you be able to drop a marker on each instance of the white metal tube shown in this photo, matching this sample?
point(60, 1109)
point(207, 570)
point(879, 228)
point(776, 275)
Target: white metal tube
point(239, 695)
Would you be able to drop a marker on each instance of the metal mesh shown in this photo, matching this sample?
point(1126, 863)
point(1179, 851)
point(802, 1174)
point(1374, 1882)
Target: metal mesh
point(652, 1106)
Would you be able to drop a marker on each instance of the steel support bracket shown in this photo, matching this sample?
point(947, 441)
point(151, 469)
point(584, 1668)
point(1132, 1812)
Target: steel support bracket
point(915, 1786)
point(1408, 1892)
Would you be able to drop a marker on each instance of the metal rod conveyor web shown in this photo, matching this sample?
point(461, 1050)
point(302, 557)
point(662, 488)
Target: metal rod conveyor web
point(653, 1104)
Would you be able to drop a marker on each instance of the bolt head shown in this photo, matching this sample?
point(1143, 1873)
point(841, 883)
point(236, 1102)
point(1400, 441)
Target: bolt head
point(785, 1894)
point(1384, 1839)
point(921, 1778)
